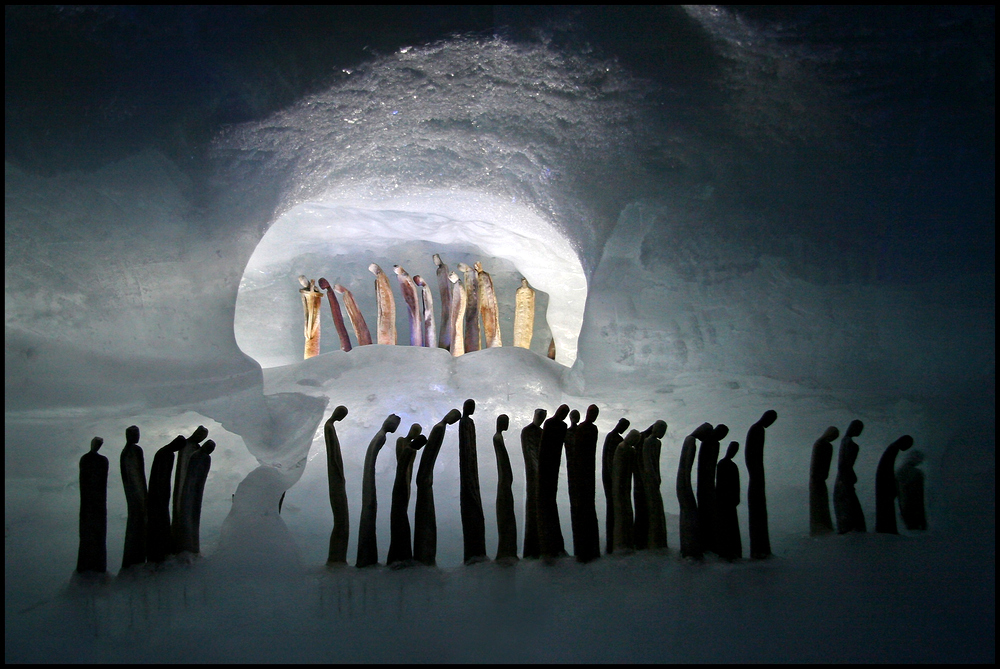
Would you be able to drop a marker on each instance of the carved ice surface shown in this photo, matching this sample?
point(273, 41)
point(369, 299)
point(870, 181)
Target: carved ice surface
point(146, 291)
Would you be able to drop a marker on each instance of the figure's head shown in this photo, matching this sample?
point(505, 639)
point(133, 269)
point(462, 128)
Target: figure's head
point(503, 422)
point(621, 426)
point(767, 420)
point(417, 279)
point(734, 447)
point(561, 412)
point(539, 416)
point(469, 407)
point(462, 267)
point(904, 442)
point(437, 260)
point(830, 434)
point(415, 429)
point(633, 438)
point(132, 434)
point(702, 432)
point(391, 423)
point(177, 443)
point(659, 429)
point(339, 413)
point(855, 428)
point(303, 280)
point(208, 447)
point(324, 284)
point(452, 417)
point(418, 442)
point(199, 434)
point(374, 269)
point(592, 413)
point(719, 432)
point(95, 444)
point(574, 417)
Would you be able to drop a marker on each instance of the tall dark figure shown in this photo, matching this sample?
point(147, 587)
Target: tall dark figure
point(607, 478)
point(550, 535)
point(820, 521)
point(760, 537)
point(424, 517)
point(191, 497)
point(581, 468)
point(910, 484)
point(367, 539)
point(690, 537)
point(93, 553)
point(885, 486)
point(641, 526)
point(134, 482)
point(337, 484)
point(651, 445)
point(846, 505)
point(400, 547)
point(728, 544)
point(622, 474)
point(506, 522)
point(471, 499)
point(180, 473)
point(159, 541)
point(531, 444)
point(708, 457)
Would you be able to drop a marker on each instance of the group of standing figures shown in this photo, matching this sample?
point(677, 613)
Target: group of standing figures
point(162, 520)
point(470, 316)
point(905, 484)
point(630, 472)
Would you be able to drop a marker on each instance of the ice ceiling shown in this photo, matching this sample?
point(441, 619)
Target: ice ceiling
point(727, 212)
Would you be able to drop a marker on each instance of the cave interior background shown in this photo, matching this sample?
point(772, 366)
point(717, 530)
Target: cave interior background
point(726, 210)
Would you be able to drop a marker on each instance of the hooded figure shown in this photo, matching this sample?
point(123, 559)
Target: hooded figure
point(367, 538)
point(93, 553)
point(471, 498)
point(760, 538)
point(550, 537)
point(607, 478)
point(133, 470)
point(424, 517)
point(820, 521)
point(531, 443)
point(728, 543)
point(846, 505)
point(885, 486)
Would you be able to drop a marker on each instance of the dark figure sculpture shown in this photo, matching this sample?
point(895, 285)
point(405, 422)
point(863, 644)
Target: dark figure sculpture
point(690, 537)
point(338, 491)
point(506, 522)
point(550, 536)
point(581, 468)
point(885, 486)
point(708, 456)
point(159, 541)
point(191, 444)
point(820, 521)
point(400, 547)
point(657, 523)
point(910, 485)
point(93, 553)
point(846, 505)
point(760, 538)
point(367, 539)
point(641, 527)
point(607, 478)
point(471, 499)
point(133, 469)
point(728, 544)
point(621, 489)
point(191, 496)
point(531, 443)
point(424, 518)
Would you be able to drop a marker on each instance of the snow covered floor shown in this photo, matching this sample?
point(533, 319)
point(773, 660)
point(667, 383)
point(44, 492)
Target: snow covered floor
point(849, 599)
point(262, 594)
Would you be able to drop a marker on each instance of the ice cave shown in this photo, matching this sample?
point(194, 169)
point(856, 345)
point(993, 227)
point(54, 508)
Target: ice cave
point(723, 211)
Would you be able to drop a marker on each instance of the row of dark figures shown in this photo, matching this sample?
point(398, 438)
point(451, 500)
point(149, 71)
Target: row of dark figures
point(163, 520)
point(630, 464)
point(630, 473)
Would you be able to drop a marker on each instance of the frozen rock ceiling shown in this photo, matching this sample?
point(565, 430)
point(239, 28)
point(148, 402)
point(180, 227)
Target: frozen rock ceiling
point(728, 210)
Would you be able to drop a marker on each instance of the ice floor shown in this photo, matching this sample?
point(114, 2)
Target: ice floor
point(261, 592)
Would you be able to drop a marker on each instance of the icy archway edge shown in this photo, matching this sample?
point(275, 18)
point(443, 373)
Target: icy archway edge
point(344, 224)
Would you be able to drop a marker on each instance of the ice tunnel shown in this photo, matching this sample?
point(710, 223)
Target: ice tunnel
point(339, 239)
